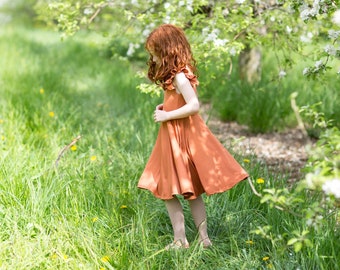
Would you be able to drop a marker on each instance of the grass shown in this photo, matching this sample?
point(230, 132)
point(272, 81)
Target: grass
point(87, 213)
point(265, 106)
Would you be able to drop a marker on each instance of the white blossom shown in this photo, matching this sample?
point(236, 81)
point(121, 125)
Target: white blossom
point(332, 187)
point(239, 1)
point(318, 64)
point(329, 49)
point(232, 51)
point(282, 73)
point(225, 12)
point(167, 19)
point(132, 48)
point(336, 17)
point(220, 42)
point(146, 32)
point(304, 15)
point(210, 36)
point(167, 5)
point(288, 29)
point(272, 18)
point(307, 38)
point(333, 34)
point(88, 11)
point(189, 5)
point(305, 71)
point(307, 12)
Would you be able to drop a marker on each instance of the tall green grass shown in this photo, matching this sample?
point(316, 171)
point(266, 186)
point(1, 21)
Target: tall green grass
point(87, 213)
point(265, 106)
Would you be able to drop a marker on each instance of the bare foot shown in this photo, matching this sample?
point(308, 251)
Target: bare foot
point(177, 245)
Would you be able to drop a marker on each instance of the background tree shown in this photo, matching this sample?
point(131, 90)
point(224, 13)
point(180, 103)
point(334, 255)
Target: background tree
point(218, 29)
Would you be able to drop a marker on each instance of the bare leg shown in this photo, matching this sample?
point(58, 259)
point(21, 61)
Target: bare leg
point(176, 215)
point(200, 218)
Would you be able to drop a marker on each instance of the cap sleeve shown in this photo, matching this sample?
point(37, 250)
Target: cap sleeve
point(168, 84)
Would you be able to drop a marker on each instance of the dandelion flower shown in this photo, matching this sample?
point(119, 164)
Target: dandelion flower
point(94, 219)
point(3, 138)
point(54, 256)
point(123, 207)
point(260, 180)
point(250, 242)
point(246, 160)
point(105, 259)
point(1, 121)
point(265, 258)
point(42, 91)
point(51, 114)
point(73, 147)
point(93, 158)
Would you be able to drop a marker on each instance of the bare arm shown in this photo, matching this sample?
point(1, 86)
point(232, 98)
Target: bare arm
point(192, 104)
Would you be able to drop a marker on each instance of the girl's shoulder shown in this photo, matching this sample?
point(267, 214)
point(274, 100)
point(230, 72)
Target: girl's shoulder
point(179, 76)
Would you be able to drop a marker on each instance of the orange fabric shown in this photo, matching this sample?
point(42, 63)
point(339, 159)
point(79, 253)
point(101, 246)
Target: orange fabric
point(187, 158)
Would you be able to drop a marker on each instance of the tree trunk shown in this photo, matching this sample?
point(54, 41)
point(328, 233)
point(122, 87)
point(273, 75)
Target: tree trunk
point(250, 65)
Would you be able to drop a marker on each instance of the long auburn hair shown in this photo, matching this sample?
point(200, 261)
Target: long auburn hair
point(170, 44)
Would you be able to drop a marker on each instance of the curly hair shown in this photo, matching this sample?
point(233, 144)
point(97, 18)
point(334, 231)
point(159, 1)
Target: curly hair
point(169, 43)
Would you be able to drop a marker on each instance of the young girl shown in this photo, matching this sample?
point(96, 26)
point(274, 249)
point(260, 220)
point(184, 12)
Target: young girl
point(187, 159)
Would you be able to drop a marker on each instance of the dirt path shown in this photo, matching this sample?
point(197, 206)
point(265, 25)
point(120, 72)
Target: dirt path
point(283, 152)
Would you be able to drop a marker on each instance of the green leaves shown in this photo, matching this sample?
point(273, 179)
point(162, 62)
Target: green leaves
point(300, 240)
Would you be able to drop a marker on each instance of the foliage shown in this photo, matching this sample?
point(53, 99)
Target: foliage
point(322, 183)
point(217, 29)
point(86, 213)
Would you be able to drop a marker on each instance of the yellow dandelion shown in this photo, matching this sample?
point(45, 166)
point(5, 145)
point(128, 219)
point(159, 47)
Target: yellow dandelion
point(105, 259)
point(1, 121)
point(93, 158)
point(3, 138)
point(42, 91)
point(101, 268)
point(51, 114)
point(265, 258)
point(246, 160)
point(250, 242)
point(94, 219)
point(54, 256)
point(260, 180)
point(73, 147)
point(123, 207)
point(65, 257)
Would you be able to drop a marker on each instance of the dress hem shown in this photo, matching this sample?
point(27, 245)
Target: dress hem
point(194, 196)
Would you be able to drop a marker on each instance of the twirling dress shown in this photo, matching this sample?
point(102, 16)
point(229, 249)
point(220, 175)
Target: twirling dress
point(187, 159)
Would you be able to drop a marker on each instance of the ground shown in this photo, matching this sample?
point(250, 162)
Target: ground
point(283, 152)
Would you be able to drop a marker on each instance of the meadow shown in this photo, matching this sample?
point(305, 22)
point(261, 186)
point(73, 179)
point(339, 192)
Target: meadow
point(75, 134)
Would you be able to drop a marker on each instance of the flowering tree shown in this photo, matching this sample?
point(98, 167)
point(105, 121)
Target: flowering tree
point(217, 29)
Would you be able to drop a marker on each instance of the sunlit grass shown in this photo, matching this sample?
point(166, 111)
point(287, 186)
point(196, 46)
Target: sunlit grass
point(265, 105)
point(84, 211)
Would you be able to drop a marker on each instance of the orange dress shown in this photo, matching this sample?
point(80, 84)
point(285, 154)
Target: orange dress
point(187, 159)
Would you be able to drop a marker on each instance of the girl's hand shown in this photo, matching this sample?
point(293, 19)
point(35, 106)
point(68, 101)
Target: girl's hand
point(160, 116)
point(159, 107)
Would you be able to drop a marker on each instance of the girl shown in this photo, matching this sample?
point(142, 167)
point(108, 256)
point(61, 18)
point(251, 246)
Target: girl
point(187, 159)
